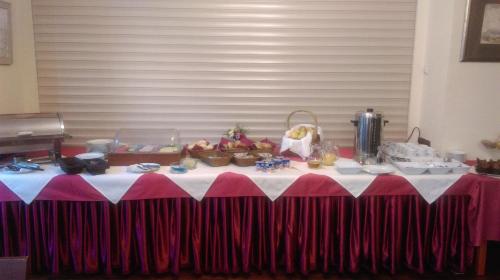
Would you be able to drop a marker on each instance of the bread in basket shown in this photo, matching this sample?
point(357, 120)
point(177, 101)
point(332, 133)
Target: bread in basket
point(299, 138)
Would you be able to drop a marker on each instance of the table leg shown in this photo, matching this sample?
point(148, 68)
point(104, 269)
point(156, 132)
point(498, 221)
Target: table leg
point(481, 258)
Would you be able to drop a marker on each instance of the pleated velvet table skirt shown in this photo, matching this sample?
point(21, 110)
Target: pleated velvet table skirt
point(240, 234)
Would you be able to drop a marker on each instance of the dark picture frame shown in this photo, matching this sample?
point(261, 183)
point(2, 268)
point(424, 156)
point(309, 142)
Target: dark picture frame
point(5, 34)
point(481, 40)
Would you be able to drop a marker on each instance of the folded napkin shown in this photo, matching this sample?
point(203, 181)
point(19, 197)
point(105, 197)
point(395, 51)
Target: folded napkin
point(302, 147)
point(243, 140)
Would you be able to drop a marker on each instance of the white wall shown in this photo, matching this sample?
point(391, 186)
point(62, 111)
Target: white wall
point(18, 82)
point(455, 103)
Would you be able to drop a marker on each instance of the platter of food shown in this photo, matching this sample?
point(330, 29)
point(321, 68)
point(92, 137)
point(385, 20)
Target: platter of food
point(488, 167)
point(216, 158)
point(199, 147)
point(244, 159)
point(133, 146)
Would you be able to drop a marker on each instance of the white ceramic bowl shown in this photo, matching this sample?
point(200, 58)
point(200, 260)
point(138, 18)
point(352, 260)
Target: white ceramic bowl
point(100, 145)
point(461, 169)
point(458, 167)
point(348, 167)
point(377, 169)
point(90, 156)
point(411, 168)
point(439, 168)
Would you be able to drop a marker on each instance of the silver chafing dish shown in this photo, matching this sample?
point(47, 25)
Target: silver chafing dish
point(23, 133)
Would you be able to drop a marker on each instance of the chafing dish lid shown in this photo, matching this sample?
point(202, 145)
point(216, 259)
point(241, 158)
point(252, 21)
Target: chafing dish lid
point(38, 125)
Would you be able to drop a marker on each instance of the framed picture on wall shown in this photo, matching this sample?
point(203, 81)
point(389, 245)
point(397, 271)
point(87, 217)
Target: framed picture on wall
point(481, 40)
point(5, 34)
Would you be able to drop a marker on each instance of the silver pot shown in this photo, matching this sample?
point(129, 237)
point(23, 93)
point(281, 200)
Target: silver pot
point(368, 134)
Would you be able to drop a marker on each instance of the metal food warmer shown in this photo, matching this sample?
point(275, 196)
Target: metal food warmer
point(21, 134)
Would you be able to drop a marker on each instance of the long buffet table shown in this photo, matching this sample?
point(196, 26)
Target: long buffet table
point(314, 224)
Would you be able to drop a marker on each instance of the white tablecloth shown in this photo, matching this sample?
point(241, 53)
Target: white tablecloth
point(116, 182)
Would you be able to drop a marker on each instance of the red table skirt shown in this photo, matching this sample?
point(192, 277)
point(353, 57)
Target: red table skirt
point(240, 234)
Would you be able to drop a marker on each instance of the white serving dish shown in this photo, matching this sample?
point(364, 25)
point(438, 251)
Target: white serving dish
point(143, 167)
point(461, 169)
point(439, 168)
point(376, 169)
point(412, 168)
point(348, 167)
point(90, 156)
point(100, 145)
point(458, 167)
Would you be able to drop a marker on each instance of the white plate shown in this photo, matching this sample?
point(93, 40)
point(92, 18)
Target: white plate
point(378, 169)
point(89, 156)
point(348, 167)
point(6, 170)
point(152, 167)
point(100, 142)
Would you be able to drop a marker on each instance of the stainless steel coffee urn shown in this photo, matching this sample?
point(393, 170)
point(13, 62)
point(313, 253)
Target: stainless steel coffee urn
point(368, 134)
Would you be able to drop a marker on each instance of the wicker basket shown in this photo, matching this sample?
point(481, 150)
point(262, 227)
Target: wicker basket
point(315, 136)
point(257, 152)
point(236, 150)
point(243, 162)
point(199, 153)
point(269, 150)
point(216, 158)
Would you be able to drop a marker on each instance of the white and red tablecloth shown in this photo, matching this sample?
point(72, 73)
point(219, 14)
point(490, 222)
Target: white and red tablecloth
point(117, 181)
point(231, 219)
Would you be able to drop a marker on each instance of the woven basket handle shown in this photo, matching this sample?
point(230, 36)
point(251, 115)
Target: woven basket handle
point(315, 119)
point(313, 116)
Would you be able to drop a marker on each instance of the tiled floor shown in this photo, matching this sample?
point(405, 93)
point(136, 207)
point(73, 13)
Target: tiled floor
point(362, 276)
point(493, 273)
